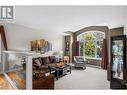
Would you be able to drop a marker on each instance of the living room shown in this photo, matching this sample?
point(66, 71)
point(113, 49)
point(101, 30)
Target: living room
point(59, 47)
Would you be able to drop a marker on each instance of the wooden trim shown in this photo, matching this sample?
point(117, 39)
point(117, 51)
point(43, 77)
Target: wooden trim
point(3, 37)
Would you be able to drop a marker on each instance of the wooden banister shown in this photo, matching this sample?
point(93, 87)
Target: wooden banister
point(3, 37)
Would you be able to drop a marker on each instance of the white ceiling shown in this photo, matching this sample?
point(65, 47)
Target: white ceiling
point(69, 18)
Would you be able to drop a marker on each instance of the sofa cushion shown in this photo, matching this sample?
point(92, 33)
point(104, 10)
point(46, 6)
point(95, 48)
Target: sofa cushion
point(79, 58)
point(41, 61)
point(37, 61)
point(45, 60)
point(37, 74)
point(52, 64)
point(52, 59)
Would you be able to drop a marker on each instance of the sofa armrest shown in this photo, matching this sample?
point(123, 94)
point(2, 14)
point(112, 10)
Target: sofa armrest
point(35, 66)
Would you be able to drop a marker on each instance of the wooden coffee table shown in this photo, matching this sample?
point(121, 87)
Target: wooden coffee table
point(61, 71)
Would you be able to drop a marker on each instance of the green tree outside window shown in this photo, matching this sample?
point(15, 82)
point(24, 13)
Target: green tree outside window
point(89, 45)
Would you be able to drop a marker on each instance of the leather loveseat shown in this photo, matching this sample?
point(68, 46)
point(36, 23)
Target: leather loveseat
point(43, 63)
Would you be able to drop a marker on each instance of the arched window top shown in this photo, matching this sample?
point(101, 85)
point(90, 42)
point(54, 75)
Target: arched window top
point(91, 35)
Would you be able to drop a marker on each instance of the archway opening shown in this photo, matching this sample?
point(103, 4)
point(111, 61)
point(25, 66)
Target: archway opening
point(90, 47)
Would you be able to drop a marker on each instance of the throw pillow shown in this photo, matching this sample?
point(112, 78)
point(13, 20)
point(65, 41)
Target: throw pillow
point(80, 59)
point(52, 59)
point(46, 60)
point(41, 61)
point(37, 62)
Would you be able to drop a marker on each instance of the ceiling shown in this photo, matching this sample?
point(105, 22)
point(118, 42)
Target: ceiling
point(60, 19)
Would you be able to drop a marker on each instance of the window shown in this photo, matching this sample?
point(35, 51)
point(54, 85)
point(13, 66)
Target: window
point(91, 44)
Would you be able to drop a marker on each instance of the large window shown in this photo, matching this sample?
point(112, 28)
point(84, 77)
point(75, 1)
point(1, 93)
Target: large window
point(91, 44)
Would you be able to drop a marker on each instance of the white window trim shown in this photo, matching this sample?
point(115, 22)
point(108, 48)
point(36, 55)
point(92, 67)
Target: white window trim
point(93, 58)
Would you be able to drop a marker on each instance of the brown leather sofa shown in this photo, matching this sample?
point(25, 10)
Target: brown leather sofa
point(43, 63)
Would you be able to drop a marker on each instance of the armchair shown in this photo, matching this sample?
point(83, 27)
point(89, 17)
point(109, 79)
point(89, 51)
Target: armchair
point(79, 61)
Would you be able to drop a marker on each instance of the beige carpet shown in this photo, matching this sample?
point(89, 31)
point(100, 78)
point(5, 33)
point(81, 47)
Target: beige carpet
point(91, 78)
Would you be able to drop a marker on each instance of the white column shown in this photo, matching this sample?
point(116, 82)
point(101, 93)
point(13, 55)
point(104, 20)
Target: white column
point(3, 61)
point(29, 72)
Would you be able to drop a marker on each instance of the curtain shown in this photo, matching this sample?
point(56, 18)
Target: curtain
point(105, 61)
point(77, 48)
point(3, 37)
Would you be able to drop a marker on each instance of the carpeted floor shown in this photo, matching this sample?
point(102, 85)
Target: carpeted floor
point(91, 78)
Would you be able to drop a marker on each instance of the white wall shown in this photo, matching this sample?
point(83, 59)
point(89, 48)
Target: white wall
point(125, 30)
point(125, 24)
point(19, 37)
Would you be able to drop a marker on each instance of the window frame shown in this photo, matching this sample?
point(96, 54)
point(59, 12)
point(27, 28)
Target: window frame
point(95, 40)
